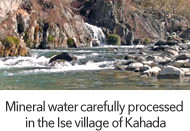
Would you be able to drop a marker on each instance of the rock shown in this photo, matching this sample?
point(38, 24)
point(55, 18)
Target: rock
point(2, 48)
point(153, 72)
point(186, 34)
point(186, 71)
point(130, 38)
point(134, 66)
point(137, 42)
point(128, 57)
point(64, 57)
point(95, 43)
point(170, 72)
point(144, 68)
point(43, 23)
point(183, 57)
point(181, 63)
point(170, 53)
point(13, 46)
point(120, 67)
point(153, 58)
point(8, 6)
point(159, 48)
point(164, 43)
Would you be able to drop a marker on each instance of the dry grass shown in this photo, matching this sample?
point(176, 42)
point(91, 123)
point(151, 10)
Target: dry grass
point(179, 7)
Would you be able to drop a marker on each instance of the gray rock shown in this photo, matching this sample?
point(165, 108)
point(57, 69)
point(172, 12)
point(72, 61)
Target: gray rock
point(170, 72)
point(186, 71)
point(186, 34)
point(135, 66)
point(170, 53)
point(153, 72)
point(164, 43)
point(183, 57)
point(181, 63)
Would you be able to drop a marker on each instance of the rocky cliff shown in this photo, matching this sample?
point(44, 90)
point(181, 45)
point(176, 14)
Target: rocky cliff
point(42, 23)
point(131, 22)
point(51, 23)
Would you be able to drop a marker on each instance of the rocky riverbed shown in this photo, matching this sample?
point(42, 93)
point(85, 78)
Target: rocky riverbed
point(92, 68)
point(163, 60)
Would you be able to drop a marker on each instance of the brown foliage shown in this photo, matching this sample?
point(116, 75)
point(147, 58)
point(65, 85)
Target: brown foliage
point(179, 7)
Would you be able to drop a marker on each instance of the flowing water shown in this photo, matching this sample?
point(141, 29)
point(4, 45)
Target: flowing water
point(94, 69)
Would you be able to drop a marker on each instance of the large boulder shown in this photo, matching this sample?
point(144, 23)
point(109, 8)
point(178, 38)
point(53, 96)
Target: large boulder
point(170, 72)
point(63, 56)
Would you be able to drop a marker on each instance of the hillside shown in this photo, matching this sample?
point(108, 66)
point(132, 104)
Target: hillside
point(50, 23)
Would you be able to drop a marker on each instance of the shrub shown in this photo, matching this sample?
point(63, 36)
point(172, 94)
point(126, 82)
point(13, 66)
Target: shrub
point(51, 39)
point(10, 41)
point(71, 43)
point(113, 39)
point(147, 41)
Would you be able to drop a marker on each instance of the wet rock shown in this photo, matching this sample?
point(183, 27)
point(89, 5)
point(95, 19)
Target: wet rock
point(135, 66)
point(181, 63)
point(140, 58)
point(159, 48)
point(153, 72)
point(164, 62)
point(128, 57)
point(170, 72)
point(144, 68)
point(64, 57)
point(164, 43)
point(183, 57)
point(186, 34)
point(170, 53)
point(153, 58)
point(120, 67)
point(186, 71)
point(95, 43)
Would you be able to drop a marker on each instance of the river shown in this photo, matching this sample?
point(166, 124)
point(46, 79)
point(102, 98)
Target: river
point(94, 70)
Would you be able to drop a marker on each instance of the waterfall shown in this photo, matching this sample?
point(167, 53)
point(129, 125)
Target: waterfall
point(96, 34)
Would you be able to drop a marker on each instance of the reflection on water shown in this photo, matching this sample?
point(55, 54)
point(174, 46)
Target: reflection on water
point(98, 80)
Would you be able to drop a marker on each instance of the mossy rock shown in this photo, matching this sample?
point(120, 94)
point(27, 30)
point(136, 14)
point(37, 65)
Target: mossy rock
point(11, 41)
point(71, 43)
point(51, 39)
point(147, 41)
point(11, 46)
point(113, 39)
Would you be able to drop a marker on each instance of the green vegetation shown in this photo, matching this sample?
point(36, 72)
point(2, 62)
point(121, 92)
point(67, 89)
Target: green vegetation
point(51, 39)
point(10, 41)
point(27, 39)
point(147, 41)
point(70, 42)
point(113, 39)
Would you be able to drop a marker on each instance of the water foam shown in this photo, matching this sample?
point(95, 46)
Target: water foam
point(96, 33)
